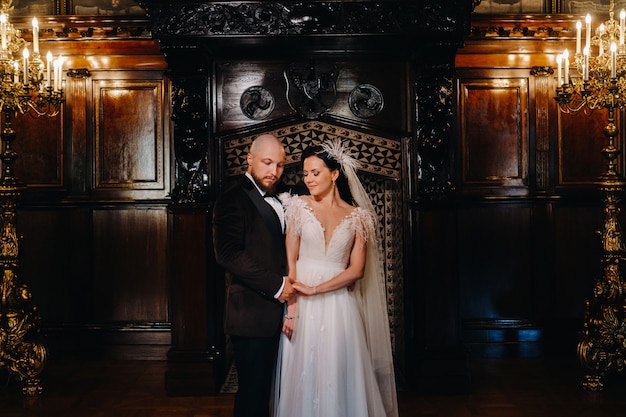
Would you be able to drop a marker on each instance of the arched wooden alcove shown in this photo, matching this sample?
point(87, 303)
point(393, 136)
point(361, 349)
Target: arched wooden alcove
point(380, 172)
point(220, 51)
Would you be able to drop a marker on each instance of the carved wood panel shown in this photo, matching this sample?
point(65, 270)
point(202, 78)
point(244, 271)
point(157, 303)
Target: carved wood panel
point(129, 276)
point(494, 132)
point(577, 252)
point(580, 143)
point(130, 160)
point(493, 266)
point(39, 144)
point(56, 260)
point(372, 93)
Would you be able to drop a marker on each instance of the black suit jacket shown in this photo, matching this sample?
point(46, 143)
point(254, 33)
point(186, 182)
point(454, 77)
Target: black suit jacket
point(250, 246)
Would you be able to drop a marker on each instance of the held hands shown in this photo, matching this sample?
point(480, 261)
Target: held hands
point(304, 289)
point(307, 290)
point(288, 290)
point(291, 290)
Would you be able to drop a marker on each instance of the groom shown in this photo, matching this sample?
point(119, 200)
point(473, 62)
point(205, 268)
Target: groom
point(248, 234)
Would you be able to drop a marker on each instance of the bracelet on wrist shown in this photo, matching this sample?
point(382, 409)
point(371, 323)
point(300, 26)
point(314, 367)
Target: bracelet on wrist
point(289, 317)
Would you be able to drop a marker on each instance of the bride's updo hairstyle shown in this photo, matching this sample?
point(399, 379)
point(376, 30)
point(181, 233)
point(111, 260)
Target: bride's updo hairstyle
point(332, 164)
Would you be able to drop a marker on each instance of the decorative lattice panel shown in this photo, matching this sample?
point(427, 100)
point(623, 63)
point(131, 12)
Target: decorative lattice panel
point(378, 155)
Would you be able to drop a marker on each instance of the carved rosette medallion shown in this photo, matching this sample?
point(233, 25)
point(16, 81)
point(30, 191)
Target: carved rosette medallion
point(257, 103)
point(366, 101)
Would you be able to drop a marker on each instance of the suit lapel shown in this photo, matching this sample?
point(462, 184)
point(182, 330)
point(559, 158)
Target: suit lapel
point(267, 212)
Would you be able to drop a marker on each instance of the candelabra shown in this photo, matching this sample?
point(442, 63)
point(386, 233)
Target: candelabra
point(27, 86)
point(599, 82)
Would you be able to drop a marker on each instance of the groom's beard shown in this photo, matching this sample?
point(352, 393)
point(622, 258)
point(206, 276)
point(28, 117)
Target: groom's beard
point(259, 182)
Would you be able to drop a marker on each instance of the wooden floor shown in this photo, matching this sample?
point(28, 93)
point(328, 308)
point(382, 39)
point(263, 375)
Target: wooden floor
point(501, 388)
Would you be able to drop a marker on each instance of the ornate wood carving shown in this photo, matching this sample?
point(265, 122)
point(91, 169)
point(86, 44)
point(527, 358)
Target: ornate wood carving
point(189, 106)
point(433, 102)
point(543, 101)
point(312, 88)
point(78, 73)
point(281, 18)
point(299, 18)
point(194, 24)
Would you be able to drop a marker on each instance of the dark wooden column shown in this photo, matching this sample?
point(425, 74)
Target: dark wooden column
point(436, 352)
point(196, 289)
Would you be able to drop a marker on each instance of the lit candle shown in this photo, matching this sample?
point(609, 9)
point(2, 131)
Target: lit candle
point(588, 31)
point(55, 83)
point(61, 59)
point(559, 70)
point(586, 64)
point(622, 26)
point(600, 44)
point(58, 73)
point(25, 54)
point(566, 70)
point(48, 68)
point(613, 60)
point(35, 35)
point(3, 30)
point(578, 35)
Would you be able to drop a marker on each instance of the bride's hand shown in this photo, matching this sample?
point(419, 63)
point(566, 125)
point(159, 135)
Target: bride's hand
point(289, 324)
point(304, 289)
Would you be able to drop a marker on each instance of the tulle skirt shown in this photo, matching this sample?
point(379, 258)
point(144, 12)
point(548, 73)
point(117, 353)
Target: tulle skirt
point(325, 369)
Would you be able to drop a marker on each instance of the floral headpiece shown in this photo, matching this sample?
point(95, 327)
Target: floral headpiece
point(335, 149)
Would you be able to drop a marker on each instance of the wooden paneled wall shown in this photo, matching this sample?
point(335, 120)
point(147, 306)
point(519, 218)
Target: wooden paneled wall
point(94, 215)
point(517, 232)
point(528, 209)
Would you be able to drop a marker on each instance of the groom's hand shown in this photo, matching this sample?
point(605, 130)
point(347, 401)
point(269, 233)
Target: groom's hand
point(288, 291)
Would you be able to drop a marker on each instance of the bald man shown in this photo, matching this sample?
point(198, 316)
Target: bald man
point(248, 236)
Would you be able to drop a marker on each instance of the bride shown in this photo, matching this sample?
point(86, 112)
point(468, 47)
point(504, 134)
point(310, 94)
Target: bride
point(335, 352)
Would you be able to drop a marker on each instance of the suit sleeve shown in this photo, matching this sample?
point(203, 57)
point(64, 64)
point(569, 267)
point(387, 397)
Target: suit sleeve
point(229, 239)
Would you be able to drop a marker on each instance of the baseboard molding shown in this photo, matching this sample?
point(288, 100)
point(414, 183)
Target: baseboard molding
point(520, 338)
point(127, 341)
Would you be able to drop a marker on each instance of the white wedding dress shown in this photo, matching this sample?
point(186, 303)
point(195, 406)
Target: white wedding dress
point(325, 369)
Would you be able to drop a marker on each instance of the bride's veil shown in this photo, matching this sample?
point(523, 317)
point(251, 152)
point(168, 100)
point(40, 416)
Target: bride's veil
point(371, 288)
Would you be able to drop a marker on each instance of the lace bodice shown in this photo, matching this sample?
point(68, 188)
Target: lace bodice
point(313, 245)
